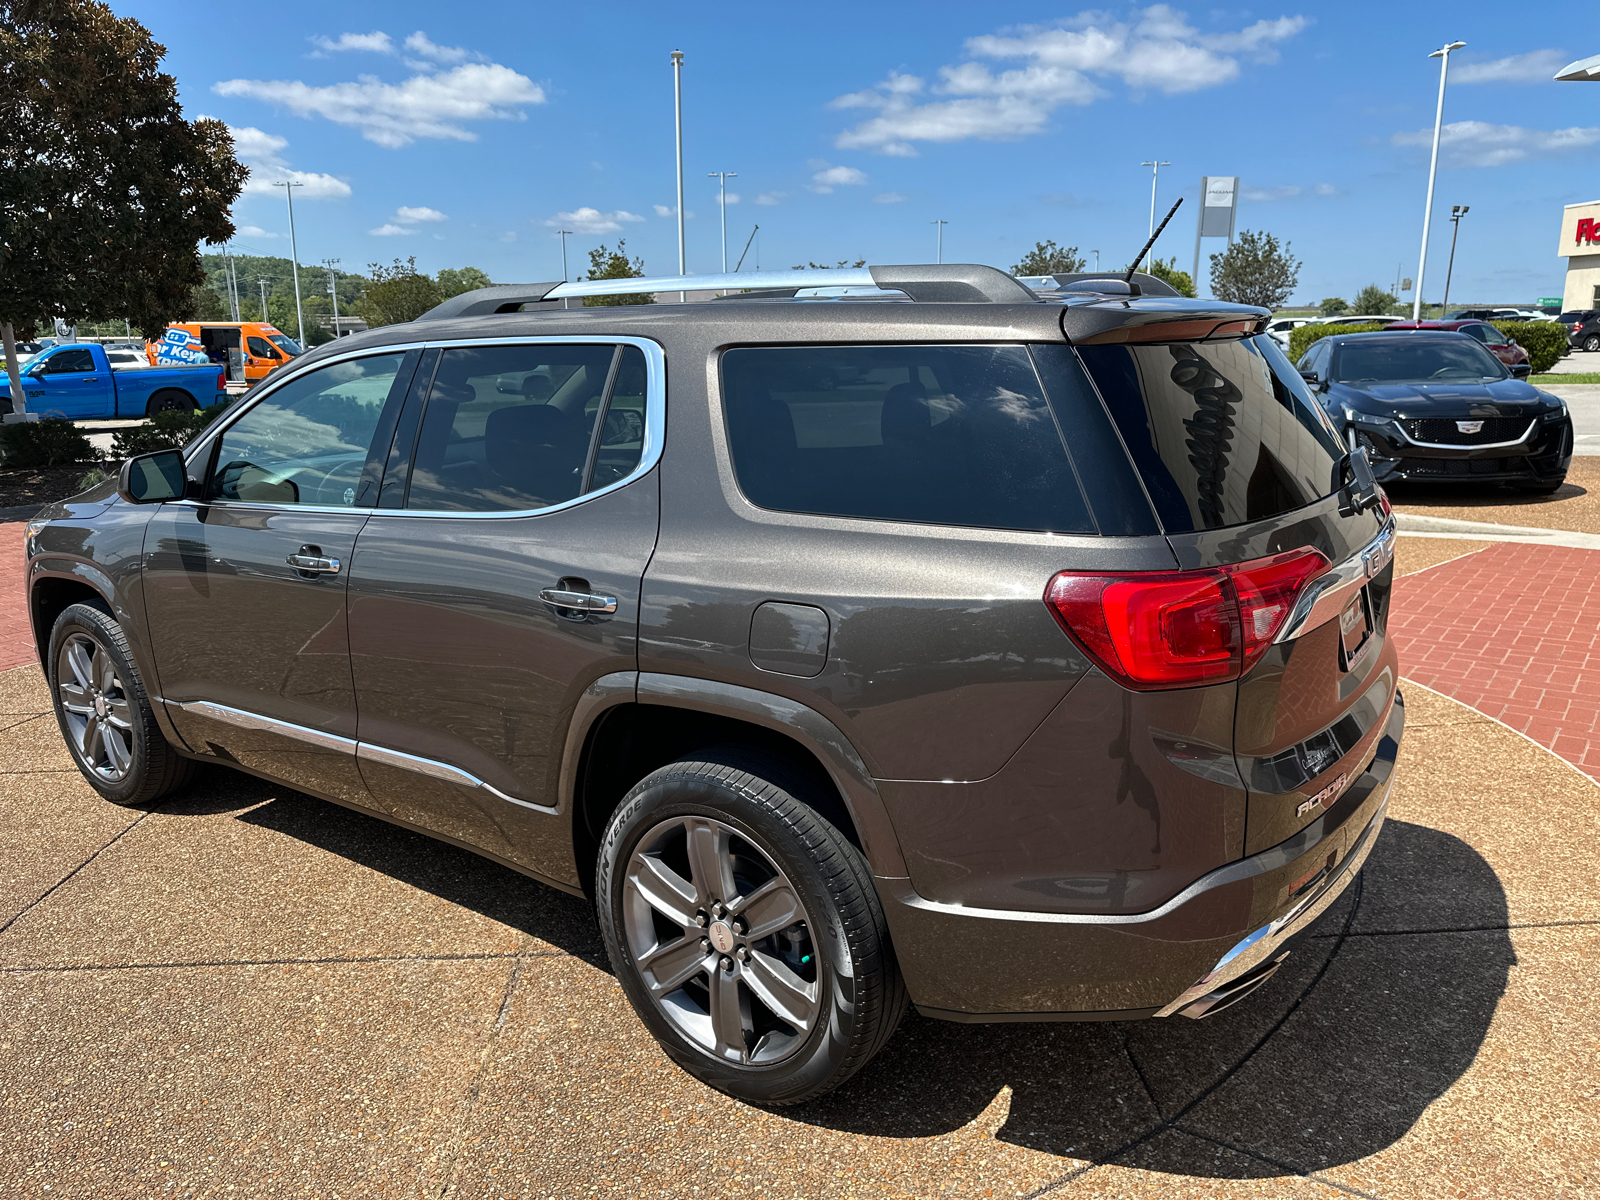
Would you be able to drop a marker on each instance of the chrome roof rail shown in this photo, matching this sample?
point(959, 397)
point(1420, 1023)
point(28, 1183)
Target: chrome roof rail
point(946, 283)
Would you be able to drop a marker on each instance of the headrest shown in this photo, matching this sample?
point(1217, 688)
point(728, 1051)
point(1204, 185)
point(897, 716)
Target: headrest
point(527, 425)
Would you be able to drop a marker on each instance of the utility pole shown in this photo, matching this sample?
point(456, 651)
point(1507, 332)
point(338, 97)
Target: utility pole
point(333, 290)
point(288, 187)
point(677, 108)
point(1443, 55)
point(1155, 175)
point(564, 234)
point(1096, 254)
point(1457, 211)
point(262, 280)
point(939, 229)
point(722, 202)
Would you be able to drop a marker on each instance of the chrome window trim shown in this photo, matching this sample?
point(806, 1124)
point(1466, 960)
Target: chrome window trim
point(1526, 434)
point(655, 426)
point(432, 768)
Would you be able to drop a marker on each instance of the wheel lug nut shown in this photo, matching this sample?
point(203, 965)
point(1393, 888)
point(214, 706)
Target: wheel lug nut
point(717, 910)
point(705, 943)
point(727, 963)
point(700, 919)
point(739, 926)
point(743, 953)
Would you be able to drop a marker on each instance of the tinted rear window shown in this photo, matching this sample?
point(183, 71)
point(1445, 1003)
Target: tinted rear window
point(1223, 433)
point(946, 435)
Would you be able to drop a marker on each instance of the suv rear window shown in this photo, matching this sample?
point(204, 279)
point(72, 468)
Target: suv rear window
point(944, 435)
point(1223, 433)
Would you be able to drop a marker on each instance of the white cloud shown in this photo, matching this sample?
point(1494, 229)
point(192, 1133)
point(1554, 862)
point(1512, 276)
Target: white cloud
point(375, 43)
point(1160, 50)
point(1536, 66)
point(390, 230)
point(888, 198)
point(1480, 144)
point(665, 210)
point(1284, 191)
point(254, 231)
point(509, 235)
point(592, 220)
point(419, 43)
point(419, 214)
point(1327, 189)
point(771, 199)
point(733, 198)
point(826, 177)
point(393, 115)
point(262, 152)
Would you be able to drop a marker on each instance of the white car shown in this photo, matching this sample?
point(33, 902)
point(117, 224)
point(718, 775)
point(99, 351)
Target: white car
point(1280, 329)
point(123, 357)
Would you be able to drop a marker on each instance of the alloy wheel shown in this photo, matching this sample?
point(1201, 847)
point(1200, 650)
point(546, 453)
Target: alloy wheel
point(99, 715)
point(722, 941)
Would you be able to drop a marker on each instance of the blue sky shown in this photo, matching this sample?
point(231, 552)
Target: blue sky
point(467, 139)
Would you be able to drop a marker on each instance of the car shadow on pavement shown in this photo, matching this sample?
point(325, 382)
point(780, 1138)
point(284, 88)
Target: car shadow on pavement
point(458, 876)
point(1469, 495)
point(1335, 1059)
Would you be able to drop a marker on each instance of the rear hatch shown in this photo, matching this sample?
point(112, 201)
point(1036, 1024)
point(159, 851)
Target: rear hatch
point(1253, 490)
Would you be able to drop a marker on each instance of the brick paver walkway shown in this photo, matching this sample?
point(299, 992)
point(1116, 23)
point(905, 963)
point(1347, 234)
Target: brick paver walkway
point(16, 641)
point(1514, 632)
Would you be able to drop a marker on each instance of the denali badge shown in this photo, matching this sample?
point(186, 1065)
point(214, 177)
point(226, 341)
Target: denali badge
point(1324, 798)
point(1469, 426)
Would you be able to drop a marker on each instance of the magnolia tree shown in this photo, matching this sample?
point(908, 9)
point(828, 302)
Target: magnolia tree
point(108, 190)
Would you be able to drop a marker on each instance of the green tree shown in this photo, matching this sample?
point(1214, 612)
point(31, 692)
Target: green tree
point(397, 294)
point(615, 264)
point(1047, 258)
point(204, 305)
point(453, 281)
point(1334, 305)
point(1180, 281)
point(1255, 270)
point(842, 263)
point(108, 190)
point(1373, 301)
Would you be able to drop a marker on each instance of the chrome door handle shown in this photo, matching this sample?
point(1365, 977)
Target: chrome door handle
point(589, 602)
point(313, 563)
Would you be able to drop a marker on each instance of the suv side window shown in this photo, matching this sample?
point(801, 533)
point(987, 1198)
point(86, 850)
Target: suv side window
point(510, 428)
point(307, 442)
point(943, 435)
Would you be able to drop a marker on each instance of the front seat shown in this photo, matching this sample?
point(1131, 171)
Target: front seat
point(537, 450)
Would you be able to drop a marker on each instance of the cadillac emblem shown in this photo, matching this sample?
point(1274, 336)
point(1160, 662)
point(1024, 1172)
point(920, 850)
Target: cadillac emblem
point(1469, 426)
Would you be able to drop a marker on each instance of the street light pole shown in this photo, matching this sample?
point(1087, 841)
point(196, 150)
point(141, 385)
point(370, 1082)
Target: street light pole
point(677, 106)
point(939, 227)
point(262, 280)
point(1096, 254)
point(564, 233)
point(1443, 55)
point(1155, 174)
point(333, 291)
point(722, 203)
point(288, 187)
point(1457, 211)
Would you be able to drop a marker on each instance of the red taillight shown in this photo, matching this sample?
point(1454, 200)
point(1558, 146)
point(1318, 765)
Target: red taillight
point(1172, 629)
point(222, 381)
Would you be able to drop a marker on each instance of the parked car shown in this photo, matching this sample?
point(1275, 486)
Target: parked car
point(1583, 328)
point(264, 347)
point(1498, 344)
point(125, 356)
point(1356, 319)
point(77, 381)
point(1432, 405)
point(1024, 655)
point(1280, 328)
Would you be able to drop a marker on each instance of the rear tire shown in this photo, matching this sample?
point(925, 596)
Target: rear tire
point(104, 712)
point(1592, 342)
point(170, 401)
point(745, 929)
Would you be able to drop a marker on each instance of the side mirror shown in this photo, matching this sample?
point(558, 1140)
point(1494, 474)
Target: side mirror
point(152, 478)
point(1521, 370)
point(1309, 376)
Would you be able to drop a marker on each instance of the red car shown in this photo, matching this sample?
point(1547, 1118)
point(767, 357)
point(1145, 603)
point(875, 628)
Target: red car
point(1498, 344)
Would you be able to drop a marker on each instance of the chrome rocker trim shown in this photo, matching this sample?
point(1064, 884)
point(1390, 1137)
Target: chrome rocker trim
point(432, 768)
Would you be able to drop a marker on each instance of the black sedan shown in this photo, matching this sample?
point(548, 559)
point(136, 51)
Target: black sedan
point(1439, 408)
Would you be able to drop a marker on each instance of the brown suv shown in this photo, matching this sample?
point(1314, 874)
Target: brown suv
point(901, 632)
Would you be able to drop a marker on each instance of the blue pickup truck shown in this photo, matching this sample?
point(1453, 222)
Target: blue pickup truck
point(77, 382)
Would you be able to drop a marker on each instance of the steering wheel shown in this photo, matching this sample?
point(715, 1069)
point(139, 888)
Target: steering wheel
point(330, 488)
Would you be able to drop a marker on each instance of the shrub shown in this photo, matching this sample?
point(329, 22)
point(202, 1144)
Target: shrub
point(1545, 341)
point(164, 431)
point(52, 442)
point(1300, 339)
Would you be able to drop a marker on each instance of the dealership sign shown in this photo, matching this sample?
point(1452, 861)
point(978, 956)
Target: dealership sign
point(1588, 232)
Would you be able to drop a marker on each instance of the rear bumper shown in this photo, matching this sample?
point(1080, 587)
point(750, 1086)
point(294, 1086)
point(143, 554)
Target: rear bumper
point(1201, 950)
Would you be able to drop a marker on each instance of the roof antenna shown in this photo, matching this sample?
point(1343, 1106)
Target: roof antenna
point(1139, 257)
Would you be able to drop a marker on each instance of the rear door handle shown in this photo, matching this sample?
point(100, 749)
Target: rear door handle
point(313, 564)
point(589, 602)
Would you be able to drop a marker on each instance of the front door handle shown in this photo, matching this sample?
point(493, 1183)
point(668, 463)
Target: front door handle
point(313, 564)
point(587, 602)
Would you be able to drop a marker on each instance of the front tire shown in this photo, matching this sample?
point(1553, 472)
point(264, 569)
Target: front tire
point(1592, 342)
point(745, 929)
point(104, 712)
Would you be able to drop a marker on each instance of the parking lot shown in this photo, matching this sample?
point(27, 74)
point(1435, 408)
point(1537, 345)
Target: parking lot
point(247, 991)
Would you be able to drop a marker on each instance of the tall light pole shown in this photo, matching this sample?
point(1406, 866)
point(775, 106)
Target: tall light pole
point(1096, 254)
point(564, 234)
point(722, 202)
point(677, 108)
point(288, 187)
point(1155, 174)
point(1443, 55)
point(939, 227)
point(333, 291)
point(262, 280)
point(1457, 211)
